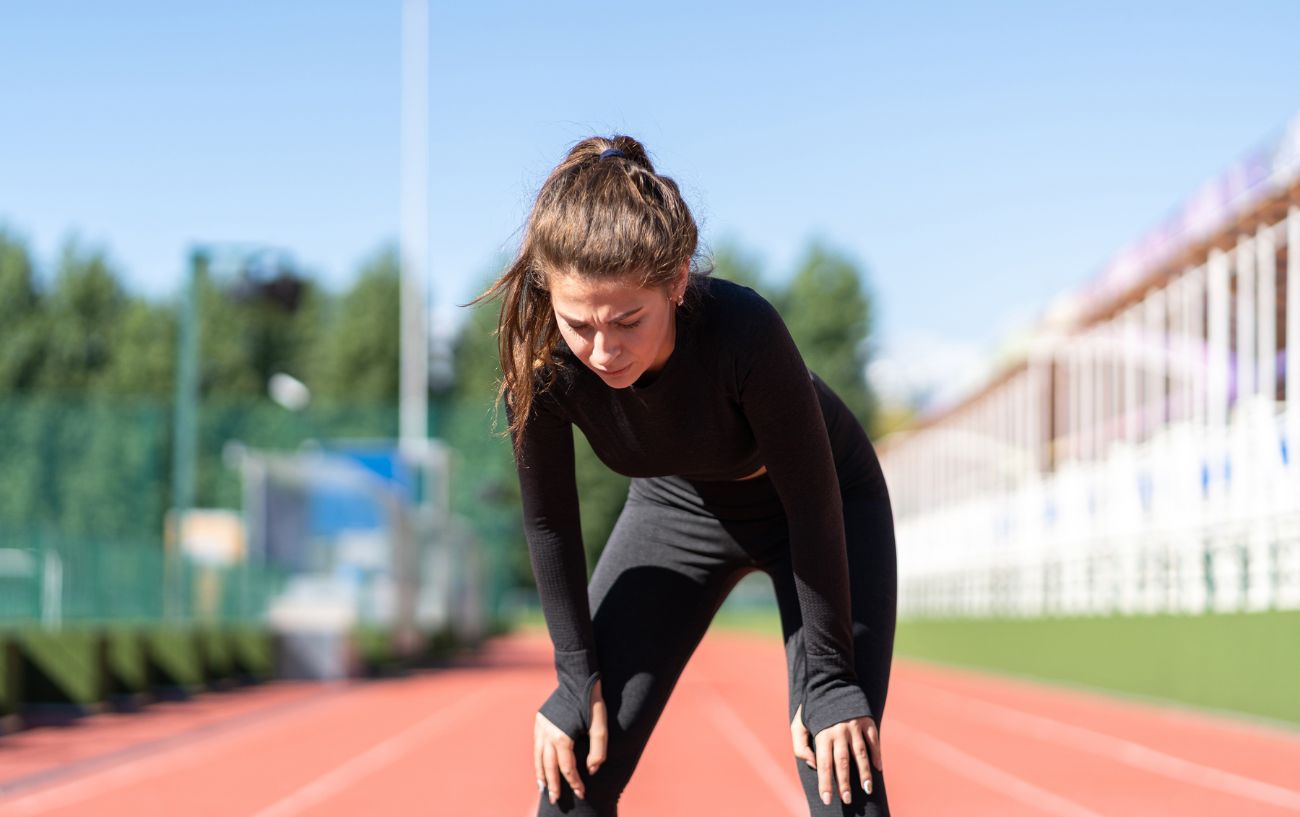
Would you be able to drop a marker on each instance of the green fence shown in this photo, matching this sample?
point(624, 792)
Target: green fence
point(85, 485)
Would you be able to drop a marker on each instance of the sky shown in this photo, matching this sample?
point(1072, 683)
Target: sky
point(976, 159)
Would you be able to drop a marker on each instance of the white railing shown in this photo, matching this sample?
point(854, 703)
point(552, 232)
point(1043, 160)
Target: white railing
point(1192, 520)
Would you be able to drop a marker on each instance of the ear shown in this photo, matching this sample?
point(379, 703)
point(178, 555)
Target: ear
point(682, 275)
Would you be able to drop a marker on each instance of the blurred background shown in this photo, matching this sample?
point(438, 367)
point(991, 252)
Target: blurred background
point(1042, 251)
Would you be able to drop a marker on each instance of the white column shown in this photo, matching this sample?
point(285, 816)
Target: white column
point(1245, 262)
point(1132, 366)
point(1087, 394)
point(1032, 415)
point(1191, 560)
point(1116, 423)
point(1074, 388)
point(1155, 338)
point(1266, 268)
point(1216, 405)
point(1217, 419)
point(1292, 383)
point(1289, 559)
point(1197, 362)
point(1176, 310)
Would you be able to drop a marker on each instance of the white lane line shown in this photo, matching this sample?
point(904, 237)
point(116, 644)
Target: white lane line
point(1120, 749)
point(986, 774)
point(152, 764)
point(375, 758)
point(789, 795)
point(76, 769)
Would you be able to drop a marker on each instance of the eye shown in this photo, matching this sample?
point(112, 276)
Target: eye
point(577, 327)
point(634, 324)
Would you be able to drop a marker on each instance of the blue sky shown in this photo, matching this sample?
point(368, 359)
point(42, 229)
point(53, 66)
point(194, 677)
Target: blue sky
point(978, 159)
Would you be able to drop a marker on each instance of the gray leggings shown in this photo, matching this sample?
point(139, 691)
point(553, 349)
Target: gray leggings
point(677, 550)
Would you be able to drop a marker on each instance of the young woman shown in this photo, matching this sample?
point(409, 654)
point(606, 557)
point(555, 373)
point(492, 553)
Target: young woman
point(741, 459)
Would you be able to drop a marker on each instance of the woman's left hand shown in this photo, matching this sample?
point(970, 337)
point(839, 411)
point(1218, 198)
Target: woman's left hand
point(858, 739)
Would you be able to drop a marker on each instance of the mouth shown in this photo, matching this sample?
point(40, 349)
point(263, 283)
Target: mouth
point(615, 372)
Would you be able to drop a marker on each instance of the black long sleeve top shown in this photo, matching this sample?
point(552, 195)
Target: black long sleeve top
point(733, 396)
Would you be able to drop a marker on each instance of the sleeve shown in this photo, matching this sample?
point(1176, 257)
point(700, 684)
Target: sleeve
point(552, 528)
point(781, 405)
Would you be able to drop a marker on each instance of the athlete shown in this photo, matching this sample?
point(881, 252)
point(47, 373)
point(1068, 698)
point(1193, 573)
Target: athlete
point(740, 459)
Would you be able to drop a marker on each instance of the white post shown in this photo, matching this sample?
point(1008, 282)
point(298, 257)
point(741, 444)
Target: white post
point(1245, 358)
point(1087, 399)
point(1154, 346)
point(1266, 268)
point(1192, 561)
point(1132, 367)
point(1115, 429)
point(1216, 405)
point(414, 366)
point(1289, 559)
point(1224, 563)
point(1292, 384)
point(1197, 362)
point(1176, 309)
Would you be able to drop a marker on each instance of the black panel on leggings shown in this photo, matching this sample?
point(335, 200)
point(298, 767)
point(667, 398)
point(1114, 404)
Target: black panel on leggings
point(733, 396)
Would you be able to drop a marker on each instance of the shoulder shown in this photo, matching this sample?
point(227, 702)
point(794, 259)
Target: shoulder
point(733, 313)
point(735, 328)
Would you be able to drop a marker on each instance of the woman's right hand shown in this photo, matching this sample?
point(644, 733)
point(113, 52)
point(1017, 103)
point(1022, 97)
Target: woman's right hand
point(553, 755)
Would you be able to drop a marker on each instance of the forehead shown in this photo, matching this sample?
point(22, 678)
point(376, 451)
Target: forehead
point(584, 298)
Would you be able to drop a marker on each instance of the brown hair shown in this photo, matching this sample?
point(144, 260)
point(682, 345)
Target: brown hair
point(606, 218)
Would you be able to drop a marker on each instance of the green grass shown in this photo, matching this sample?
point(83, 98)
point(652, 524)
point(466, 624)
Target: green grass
point(1244, 663)
point(1240, 662)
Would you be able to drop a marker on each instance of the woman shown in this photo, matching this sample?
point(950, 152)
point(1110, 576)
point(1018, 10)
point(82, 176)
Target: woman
point(741, 459)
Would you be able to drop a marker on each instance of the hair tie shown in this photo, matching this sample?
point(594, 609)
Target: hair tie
point(607, 152)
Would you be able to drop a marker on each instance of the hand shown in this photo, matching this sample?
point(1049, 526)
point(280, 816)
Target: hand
point(835, 744)
point(553, 756)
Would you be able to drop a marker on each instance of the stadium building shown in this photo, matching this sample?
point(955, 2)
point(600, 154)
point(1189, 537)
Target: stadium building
point(1138, 453)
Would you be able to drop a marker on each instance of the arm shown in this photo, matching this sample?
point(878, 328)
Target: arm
point(779, 400)
point(551, 525)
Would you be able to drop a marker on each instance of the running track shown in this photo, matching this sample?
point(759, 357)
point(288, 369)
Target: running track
point(457, 741)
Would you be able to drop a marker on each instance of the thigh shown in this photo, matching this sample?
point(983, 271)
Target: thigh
point(873, 591)
point(869, 539)
point(656, 587)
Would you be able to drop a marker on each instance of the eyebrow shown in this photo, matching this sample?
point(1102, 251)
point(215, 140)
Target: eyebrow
point(626, 314)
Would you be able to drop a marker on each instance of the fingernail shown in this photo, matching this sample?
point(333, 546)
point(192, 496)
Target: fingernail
point(846, 796)
point(867, 786)
point(826, 798)
point(541, 784)
point(580, 793)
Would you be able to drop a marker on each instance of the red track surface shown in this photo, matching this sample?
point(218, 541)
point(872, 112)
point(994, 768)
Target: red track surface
point(458, 742)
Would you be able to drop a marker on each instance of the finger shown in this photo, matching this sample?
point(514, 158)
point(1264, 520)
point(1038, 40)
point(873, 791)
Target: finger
point(599, 743)
point(873, 742)
point(552, 771)
point(842, 754)
point(803, 751)
point(538, 769)
point(569, 768)
point(825, 760)
point(599, 737)
point(861, 758)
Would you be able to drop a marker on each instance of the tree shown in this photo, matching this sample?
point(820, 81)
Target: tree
point(360, 356)
point(82, 315)
point(732, 262)
point(143, 359)
point(21, 338)
point(829, 316)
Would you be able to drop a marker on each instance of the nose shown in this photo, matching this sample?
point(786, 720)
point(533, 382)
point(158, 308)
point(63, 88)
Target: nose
point(602, 352)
